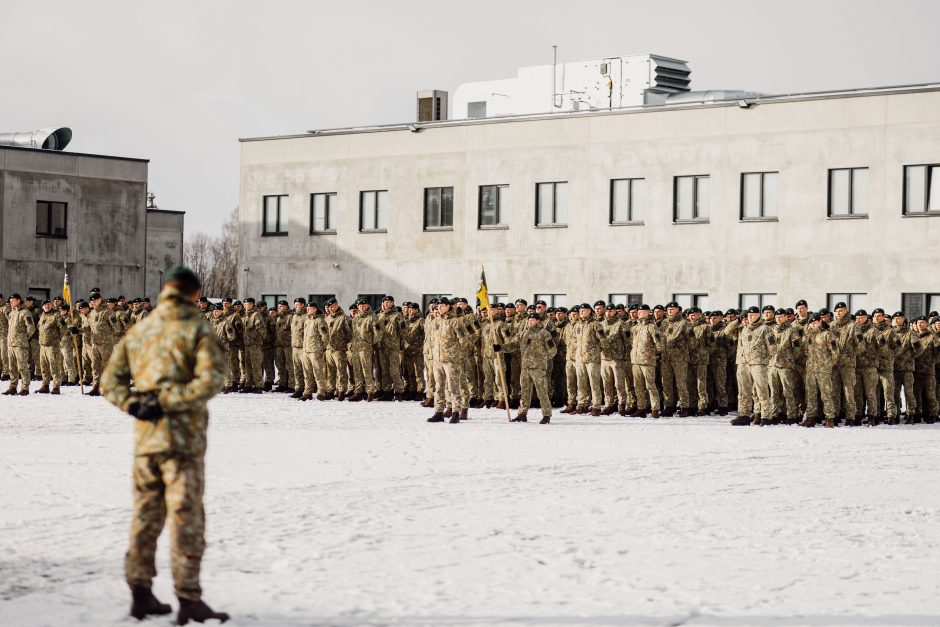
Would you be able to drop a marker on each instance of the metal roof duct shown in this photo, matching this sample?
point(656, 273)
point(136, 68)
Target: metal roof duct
point(45, 138)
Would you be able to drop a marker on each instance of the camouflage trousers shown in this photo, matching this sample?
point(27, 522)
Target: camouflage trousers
point(313, 366)
point(718, 378)
point(866, 392)
point(783, 393)
point(49, 358)
point(337, 378)
point(100, 354)
point(4, 355)
point(745, 391)
point(675, 374)
point(252, 368)
point(284, 362)
point(925, 393)
point(34, 356)
point(391, 370)
point(515, 372)
point(559, 382)
point(267, 363)
point(819, 387)
point(698, 382)
point(843, 389)
point(886, 387)
point(537, 378)
point(447, 393)
point(590, 388)
point(571, 381)
point(297, 367)
point(429, 369)
point(413, 365)
point(360, 367)
point(19, 367)
point(86, 362)
point(644, 381)
point(612, 378)
point(69, 365)
point(905, 379)
point(167, 486)
point(761, 388)
point(492, 389)
point(628, 387)
point(234, 377)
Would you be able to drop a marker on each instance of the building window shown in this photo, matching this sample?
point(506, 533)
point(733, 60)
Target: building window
point(39, 293)
point(854, 302)
point(374, 300)
point(320, 299)
point(921, 190)
point(756, 300)
point(553, 300)
point(625, 299)
point(51, 218)
point(691, 199)
point(438, 208)
point(691, 300)
point(626, 201)
point(494, 206)
point(495, 299)
point(271, 300)
point(373, 211)
point(427, 298)
point(476, 109)
point(759, 195)
point(914, 305)
point(274, 220)
point(551, 204)
point(322, 216)
point(848, 193)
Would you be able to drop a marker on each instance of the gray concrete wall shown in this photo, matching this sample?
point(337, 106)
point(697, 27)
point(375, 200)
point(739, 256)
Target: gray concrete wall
point(804, 254)
point(164, 247)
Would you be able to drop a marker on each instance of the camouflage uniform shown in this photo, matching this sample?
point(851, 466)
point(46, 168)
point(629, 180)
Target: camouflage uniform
point(236, 354)
point(315, 333)
point(447, 347)
point(491, 332)
point(283, 357)
point(174, 354)
point(20, 329)
point(888, 345)
point(866, 368)
point(297, 322)
point(847, 337)
point(675, 362)
point(103, 325)
point(269, 347)
point(34, 311)
point(559, 376)
point(755, 343)
point(224, 332)
point(4, 329)
point(430, 331)
point(413, 356)
point(701, 345)
point(571, 369)
point(536, 349)
point(255, 334)
point(718, 366)
point(366, 335)
point(822, 352)
point(391, 325)
point(339, 335)
point(614, 351)
point(51, 331)
point(87, 352)
point(587, 349)
point(646, 341)
point(785, 355)
point(910, 348)
point(925, 376)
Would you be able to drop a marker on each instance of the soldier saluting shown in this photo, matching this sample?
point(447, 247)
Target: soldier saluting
point(175, 363)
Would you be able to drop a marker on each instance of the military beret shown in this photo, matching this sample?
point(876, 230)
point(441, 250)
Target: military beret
point(262, 303)
point(619, 307)
point(801, 302)
point(815, 317)
point(434, 301)
point(30, 297)
point(301, 300)
point(919, 318)
point(861, 312)
point(521, 300)
point(311, 304)
point(461, 300)
point(768, 308)
point(94, 296)
point(388, 298)
point(780, 312)
point(83, 305)
point(227, 299)
point(823, 311)
point(550, 310)
point(540, 302)
point(584, 306)
point(933, 314)
point(112, 300)
point(283, 302)
point(753, 309)
point(600, 302)
point(841, 305)
point(184, 273)
point(1, 295)
point(57, 297)
point(877, 310)
point(672, 304)
point(789, 311)
point(562, 309)
point(64, 307)
point(633, 307)
point(354, 305)
point(135, 301)
point(530, 308)
point(534, 316)
point(500, 305)
point(46, 302)
point(146, 299)
point(217, 307)
point(443, 301)
point(658, 307)
point(643, 307)
point(119, 298)
point(250, 300)
point(202, 299)
point(898, 314)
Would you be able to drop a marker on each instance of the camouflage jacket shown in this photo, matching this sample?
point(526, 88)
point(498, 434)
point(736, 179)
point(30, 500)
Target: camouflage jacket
point(224, 330)
point(175, 354)
point(848, 337)
point(568, 339)
point(255, 330)
point(701, 344)
point(430, 333)
point(561, 352)
point(755, 344)
point(283, 329)
point(51, 328)
point(888, 345)
point(4, 321)
point(867, 355)
point(413, 339)
point(365, 331)
point(491, 332)
point(535, 345)
point(587, 341)
point(35, 312)
point(142, 312)
point(391, 328)
point(339, 331)
point(723, 344)
point(68, 341)
point(448, 343)
point(926, 361)
point(615, 344)
point(270, 326)
point(677, 334)
point(21, 327)
point(316, 333)
point(297, 322)
point(822, 350)
point(124, 319)
point(787, 351)
point(647, 341)
point(104, 326)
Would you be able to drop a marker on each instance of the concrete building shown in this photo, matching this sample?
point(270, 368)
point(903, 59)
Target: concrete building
point(824, 196)
point(86, 211)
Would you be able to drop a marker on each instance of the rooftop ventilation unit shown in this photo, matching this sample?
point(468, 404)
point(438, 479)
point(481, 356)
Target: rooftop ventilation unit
point(45, 138)
point(432, 105)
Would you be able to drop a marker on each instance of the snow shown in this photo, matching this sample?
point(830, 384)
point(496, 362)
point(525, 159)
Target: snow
point(363, 514)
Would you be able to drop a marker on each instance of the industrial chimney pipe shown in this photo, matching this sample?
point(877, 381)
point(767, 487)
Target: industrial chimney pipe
point(46, 138)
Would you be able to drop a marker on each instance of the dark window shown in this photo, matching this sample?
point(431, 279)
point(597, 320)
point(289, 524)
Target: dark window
point(691, 194)
point(51, 218)
point(40, 293)
point(759, 195)
point(426, 299)
point(551, 204)
point(552, 300)
point(320, 299)
point(322, 218)
point(374, 300)
point(755, 300)
point(373, 211)
point(494, 206)
point(271, 299)
point(914, 305)
point(921, 190)
point(438, 208)
point(274, 218)
point(691, 300)
point(626, 201)
point(848, 192)
point(625, 299)
point(853, 301)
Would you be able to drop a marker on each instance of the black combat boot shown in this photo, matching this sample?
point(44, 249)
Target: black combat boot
point(25, 392)
point(810, 422)
point(197, 611)
point(609, 410)
point(94, 391)
point(514, 403)
point(622, 409)
point(722, 411)
point(449, 412)
point(4, 377)
point(10, 392)
point(267, 386)
point(640, 413)
point(545, 420)
point(455, 417)
point(655, 413)
point(488, 403)
point(569, 409)
point(399, 396)
point(43, 389)
point(143, 603)
point(683, 412)
point(55, 390)
point(305, 397)
point(437, 417)
point(595, 412)
point(520, 417)
point(297, 394)
point(741, 421)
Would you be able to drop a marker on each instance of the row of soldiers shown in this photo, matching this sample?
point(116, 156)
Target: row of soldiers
point(46, 341)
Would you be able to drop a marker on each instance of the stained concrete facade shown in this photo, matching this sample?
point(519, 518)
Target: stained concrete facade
point(803, 253)
point(106, 237)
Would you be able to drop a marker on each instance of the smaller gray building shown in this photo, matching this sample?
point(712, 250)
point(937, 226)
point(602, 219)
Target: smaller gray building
point(87, 213)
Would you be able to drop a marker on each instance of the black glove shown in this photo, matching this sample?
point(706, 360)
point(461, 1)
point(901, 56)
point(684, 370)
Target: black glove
point(73, 330)
point(146, 407)
point(496, 348)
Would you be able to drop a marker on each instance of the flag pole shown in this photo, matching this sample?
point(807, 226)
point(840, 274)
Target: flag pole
point(78, 357)
point(499, 362)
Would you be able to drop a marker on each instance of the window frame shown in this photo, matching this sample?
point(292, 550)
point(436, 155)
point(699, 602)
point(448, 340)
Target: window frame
point(320, 300)
point(554, 224)
point(329, 199)
point(928, 173)
point(272, 304)
point(374, 300)
point(762, 217)
point(280, 211)
point(631, 298)
point(848, 297)
point(695, 219)
point(763, 299)
point(851, 215)
point(41, 293)
point(49, 233)
point(695, 298)
point(925, 309)
point(632, 221)
point(502, 222)
point(375, 209)
point(551, 299)
point(440, 191)
point(427, 297)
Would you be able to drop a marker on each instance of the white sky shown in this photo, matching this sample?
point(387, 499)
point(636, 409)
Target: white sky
point(179, 81)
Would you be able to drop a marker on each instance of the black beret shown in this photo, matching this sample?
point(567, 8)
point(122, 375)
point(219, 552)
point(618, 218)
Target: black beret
point(82, 305)
point(237, 303)
point(801, 302)
point(619, 307)
point(562, 309)
point(30, 297)
point(146, 299)
point(823, 311)
point(312, 304)
point(461, 300)
point(301, 300)
point(388, 297)
point(919, 318)
point(753, 309)
point(353, 306)
point(933, 314)
point(780, 312)
point(202, 299)
point(633, 307)
point(60, 298)
point(521, 300)
point(227, 299)
point(46, 302)
point(216, 307)
point(898, 314)
point(250, 300)
point(530, 308)
point(815, 317)
point(500, 305)
point(672, 304)
point(96, 289)
point(64, 307)
point(283, 302)
point(112, 300)
point(540, 302)
point(182, 272)
point(262, 303)
point(135, 301)
point(658, 307)
point(119, 297)
point(731, 312)
point(841, 305)
point(643, 307)
point(534, 316)
point(789, 311)
point(877, 310)
point(444, 301)
point(768, 308)
point(600, 302)
point(861, 312)
point(584, 306)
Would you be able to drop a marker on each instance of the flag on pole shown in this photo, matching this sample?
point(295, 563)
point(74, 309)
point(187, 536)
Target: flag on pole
point(66, 291)
point(482, 295)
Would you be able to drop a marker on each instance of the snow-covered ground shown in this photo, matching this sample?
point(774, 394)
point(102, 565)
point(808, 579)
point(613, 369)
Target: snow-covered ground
point(363, 514)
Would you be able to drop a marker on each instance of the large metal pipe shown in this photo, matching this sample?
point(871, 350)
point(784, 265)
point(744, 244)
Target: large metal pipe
point(46, 138)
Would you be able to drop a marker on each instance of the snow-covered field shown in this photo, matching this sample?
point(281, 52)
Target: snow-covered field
point(363, 514)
